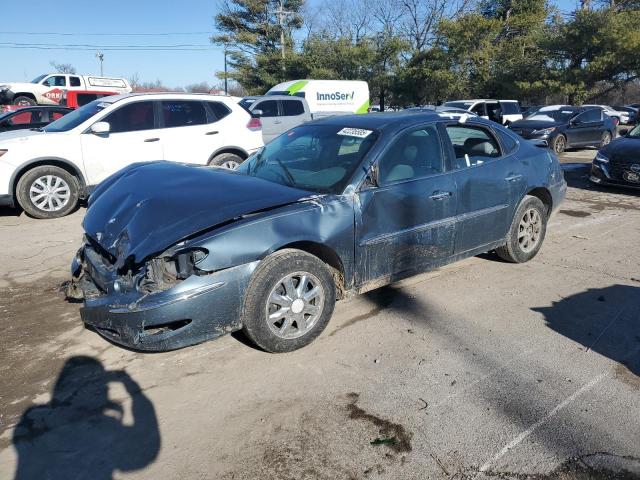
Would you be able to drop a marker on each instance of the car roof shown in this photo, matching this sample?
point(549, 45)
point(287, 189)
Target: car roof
point(481, 100)
point(271, 97)
point(376, 121)
point(168, 96)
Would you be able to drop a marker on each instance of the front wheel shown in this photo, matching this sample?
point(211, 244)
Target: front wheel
point(230, 161)
point(526, 233)
point(559, 144)
point(47, 192)
point(24, 101)
point(289, 301)
point(606, 139)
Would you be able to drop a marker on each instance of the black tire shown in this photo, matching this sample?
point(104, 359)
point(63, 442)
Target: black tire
point(559, 144)
point(226, 160)
point(606, 139)
point(514, 250)
point(23, 100)
point(267, 280)
point(33, 180)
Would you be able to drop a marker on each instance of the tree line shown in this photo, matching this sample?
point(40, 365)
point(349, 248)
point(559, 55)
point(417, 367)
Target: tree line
point(416, 52)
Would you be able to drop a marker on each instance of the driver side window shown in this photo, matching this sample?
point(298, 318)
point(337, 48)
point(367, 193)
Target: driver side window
point(415, 154)
point(55, 81)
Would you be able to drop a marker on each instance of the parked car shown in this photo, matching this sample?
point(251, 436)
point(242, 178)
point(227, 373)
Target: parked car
point(618, 163)
point(634, 105)
point(500, 111)
point(269, 247)
point(453, 111)
point(278, 113)
point(563, 126)
point(48, 89)
point(621, 116)
point(530, 110)
point(47, 171)
point(30, 117)
point(632, 112)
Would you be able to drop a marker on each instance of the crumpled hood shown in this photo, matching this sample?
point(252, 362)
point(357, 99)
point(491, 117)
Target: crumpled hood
point(148, 207)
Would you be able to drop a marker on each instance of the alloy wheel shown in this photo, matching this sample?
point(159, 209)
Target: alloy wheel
point(560, 144)
point(294, 305)
point(230, 164)
point(529, 230)
point(49, 193)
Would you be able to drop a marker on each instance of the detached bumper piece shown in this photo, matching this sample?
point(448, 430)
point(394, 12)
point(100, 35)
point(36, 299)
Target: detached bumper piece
point(196, 309)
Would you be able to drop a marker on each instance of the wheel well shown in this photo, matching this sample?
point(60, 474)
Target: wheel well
point(236, 151)
point(328, 256)
point(544, 196)
point(56, 163)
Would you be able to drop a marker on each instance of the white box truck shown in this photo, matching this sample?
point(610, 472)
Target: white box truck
point(328, 96)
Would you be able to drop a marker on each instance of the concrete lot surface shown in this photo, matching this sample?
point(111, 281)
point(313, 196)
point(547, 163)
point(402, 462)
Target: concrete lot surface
point(482, 369)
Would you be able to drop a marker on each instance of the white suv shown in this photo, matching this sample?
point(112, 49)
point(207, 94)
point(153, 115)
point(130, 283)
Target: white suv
point(500, 111)
point(46, 171)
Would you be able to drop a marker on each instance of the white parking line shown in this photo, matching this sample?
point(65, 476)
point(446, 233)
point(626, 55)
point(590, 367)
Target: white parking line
point(513, 443)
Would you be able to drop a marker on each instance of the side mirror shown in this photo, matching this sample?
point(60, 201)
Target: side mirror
point(623, 132)
point(257, 113)
point(100, 128)
point(371, 180)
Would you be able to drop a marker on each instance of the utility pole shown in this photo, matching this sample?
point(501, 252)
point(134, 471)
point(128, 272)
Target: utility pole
point(226, 89)
point(100, 56)
point(281, 17)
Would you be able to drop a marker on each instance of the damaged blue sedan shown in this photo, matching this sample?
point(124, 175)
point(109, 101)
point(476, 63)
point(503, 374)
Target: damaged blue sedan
point(178, 254)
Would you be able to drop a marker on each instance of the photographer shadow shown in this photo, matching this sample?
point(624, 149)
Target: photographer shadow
point(81, 433)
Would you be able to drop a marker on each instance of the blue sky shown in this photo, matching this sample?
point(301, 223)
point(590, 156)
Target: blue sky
point(174, 68)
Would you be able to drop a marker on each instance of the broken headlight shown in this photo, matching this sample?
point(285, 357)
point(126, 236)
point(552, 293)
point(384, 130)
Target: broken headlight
point(166, 270)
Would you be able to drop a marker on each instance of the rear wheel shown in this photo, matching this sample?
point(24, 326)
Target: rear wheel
point(47, 192)
point(24, 101)
point(559, 144)
point(226, 160)
point(526, 233)
point(289, 301)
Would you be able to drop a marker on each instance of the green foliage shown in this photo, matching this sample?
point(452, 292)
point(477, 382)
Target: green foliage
point(521, 49)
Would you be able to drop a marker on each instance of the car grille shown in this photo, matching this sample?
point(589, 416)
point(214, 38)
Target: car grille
point(617, 168)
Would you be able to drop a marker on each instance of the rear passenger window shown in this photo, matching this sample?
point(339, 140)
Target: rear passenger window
point(269, 108)
point(219, 110)
point(510, 108)
point(183, 113)
point(56, 115)
point(593, 115)
point(415, 154)
point(131, 118)
point(472, 145)
point(74, 81)
point(292, 107)
point(509, 143)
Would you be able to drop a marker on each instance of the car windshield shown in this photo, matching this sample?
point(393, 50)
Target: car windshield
point(318, 158)
point(560, 115)
point(75, 118)
point(38, 78)
point(463, 105)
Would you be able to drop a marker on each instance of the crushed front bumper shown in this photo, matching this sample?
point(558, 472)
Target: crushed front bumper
point(197, 309)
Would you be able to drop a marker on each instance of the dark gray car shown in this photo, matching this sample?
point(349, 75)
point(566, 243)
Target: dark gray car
point(177, 254)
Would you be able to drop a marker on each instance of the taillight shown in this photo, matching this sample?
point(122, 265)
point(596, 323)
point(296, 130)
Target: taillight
point(254, 124)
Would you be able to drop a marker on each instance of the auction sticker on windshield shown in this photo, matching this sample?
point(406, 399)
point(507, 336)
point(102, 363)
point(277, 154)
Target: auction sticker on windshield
point(355, 132)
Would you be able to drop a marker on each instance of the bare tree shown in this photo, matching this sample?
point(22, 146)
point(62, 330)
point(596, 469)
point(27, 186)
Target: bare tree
point(63, 67)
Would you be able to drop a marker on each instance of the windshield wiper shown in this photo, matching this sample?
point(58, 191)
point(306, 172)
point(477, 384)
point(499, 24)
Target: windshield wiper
point(286, 171)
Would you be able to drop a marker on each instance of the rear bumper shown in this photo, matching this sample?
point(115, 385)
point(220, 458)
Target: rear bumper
point(197, 309)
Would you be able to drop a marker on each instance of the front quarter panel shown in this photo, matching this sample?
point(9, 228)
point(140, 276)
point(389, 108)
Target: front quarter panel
point(322, 220)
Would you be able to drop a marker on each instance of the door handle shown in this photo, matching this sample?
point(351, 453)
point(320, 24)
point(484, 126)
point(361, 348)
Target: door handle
point(513, 178)
point(152, 139)
point(440, 196)
point(214, 132)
